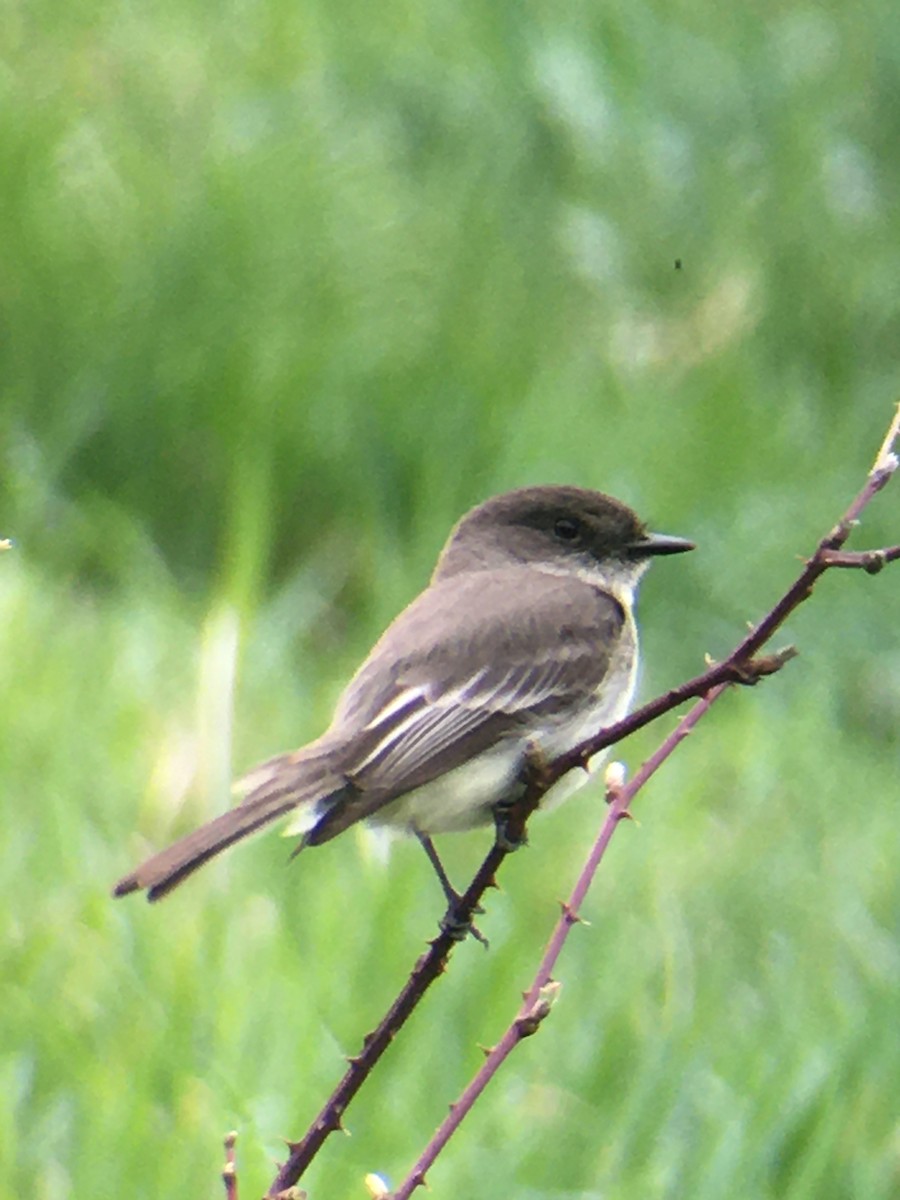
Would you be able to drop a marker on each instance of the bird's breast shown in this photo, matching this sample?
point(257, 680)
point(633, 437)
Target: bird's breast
point(465, 797)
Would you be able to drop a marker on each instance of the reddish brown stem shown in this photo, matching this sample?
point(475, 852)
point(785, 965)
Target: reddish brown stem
point(742, 666)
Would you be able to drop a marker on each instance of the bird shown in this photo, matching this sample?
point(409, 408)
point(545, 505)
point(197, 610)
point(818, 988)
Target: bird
point(524, 642)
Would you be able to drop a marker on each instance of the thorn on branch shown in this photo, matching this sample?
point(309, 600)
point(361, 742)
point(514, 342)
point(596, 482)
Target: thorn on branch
point(571, 916)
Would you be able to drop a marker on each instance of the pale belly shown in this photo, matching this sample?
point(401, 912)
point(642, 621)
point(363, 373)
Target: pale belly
point(465, 797)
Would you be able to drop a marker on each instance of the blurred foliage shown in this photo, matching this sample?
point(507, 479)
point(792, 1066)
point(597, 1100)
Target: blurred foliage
point(285, 288)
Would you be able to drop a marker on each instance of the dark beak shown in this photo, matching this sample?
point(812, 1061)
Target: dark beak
point(658, 543)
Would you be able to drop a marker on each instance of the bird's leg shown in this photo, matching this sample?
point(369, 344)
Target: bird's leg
point(509, 831)
point(509, 821)
point(451, 922)
point(452, 895)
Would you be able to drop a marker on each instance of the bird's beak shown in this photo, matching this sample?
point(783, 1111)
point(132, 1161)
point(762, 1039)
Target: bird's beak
point(658, 543)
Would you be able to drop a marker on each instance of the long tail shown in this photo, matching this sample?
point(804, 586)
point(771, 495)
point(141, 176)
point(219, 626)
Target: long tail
point(273, 789)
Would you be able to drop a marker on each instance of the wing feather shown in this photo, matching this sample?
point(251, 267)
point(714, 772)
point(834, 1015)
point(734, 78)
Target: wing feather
point(523, 648)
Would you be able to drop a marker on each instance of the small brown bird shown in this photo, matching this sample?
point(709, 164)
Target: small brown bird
point(523, 640)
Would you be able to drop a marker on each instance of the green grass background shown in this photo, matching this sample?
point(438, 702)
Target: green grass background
point(284, 288)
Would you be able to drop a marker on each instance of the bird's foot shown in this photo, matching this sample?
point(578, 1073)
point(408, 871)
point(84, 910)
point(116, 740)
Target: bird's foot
point(458, 928)
point(509, 829)
point(452, 922)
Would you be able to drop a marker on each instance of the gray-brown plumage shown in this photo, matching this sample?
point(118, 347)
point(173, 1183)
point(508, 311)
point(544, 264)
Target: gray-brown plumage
point(524, 637)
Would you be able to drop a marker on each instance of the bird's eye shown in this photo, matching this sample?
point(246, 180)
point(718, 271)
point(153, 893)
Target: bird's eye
point(567, 530)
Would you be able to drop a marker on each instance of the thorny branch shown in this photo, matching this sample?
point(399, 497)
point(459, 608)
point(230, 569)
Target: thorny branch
point(743, 666)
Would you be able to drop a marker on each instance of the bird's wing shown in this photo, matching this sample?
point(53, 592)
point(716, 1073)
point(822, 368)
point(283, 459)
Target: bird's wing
point(473, 660)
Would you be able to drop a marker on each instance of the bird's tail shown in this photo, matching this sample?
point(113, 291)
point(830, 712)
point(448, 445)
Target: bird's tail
point(300, 780)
